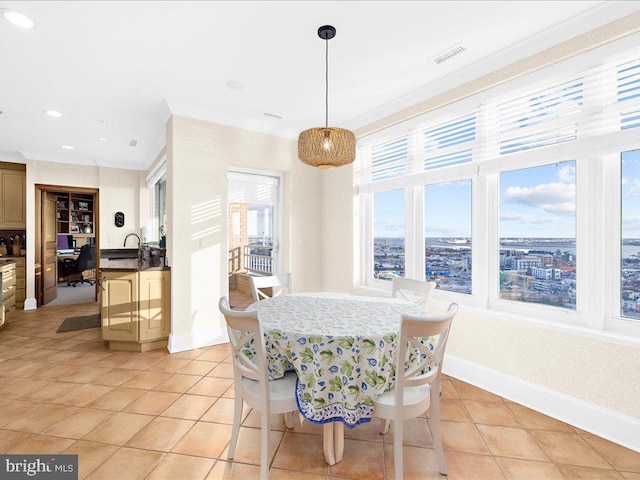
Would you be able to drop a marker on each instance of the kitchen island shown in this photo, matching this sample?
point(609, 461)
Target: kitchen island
point(135, 302)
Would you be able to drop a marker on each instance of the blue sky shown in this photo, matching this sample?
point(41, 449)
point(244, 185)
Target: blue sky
point(538, 202)
point(631, 194)
point(534, 202)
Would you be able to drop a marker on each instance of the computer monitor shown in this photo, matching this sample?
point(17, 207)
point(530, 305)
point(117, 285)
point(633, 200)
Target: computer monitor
point(65, 242)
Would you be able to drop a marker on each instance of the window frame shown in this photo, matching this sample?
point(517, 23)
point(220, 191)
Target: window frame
point(159, 173)
point(597, 163)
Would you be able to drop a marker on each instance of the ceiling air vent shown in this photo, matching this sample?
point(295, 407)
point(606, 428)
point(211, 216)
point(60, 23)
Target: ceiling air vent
point(133, 143)
point(448, 53)
point(273, 115)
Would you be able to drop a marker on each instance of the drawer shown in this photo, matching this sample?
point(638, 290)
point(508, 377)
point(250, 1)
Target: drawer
point(8, 291)
point(9, 304)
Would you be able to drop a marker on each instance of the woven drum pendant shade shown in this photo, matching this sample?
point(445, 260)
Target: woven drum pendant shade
point(327, 147)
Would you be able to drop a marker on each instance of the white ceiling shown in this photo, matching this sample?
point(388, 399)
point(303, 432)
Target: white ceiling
point(128, 64)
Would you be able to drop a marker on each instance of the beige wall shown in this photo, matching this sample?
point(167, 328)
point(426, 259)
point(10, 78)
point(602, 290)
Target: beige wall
point(198, 154)
point(597, 372)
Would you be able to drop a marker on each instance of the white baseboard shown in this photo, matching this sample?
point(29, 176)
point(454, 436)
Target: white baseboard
point(610, 425)
point(191, 341)
point(30, 304)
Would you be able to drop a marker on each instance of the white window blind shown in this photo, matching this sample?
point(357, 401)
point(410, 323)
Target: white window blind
point(388, 159)
point(449, 143)
point(584, 102)
point(540, 118)
point(628, 89)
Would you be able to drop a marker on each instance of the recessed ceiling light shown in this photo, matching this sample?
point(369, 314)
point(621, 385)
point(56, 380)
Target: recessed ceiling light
point(67, 147)
point(235, 85)
point(53, 113)
point(19, 19)
point(102, 139)
point(103, 122)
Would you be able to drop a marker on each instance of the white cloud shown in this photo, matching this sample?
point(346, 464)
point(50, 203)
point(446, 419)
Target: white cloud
point(530, 219)
point(556, 198)
point(567, 174)
point(389, 226)
point(633, 189)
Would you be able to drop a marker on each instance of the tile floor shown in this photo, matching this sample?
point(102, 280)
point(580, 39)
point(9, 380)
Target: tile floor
point(157, 415)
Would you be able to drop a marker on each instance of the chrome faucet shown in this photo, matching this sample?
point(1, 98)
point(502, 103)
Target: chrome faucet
point(135, 235)
point(140, 251)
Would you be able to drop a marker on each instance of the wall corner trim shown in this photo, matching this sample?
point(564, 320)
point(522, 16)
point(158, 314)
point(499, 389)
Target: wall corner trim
point(608, 424)
point(30, 304)
point(199, 339)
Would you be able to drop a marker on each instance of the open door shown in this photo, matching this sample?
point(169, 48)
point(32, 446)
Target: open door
point(49, 255)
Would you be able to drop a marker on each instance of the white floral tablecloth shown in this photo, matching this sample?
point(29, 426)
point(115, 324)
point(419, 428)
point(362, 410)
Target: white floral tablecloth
point(341, 346)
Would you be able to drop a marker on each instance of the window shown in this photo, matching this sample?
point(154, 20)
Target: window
point(504, 198)
point(447, 232)
point(388, 235)
point(630, 234)
point(537, 235)
point(157, 184)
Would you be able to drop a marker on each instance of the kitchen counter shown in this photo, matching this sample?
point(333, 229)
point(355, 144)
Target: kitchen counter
point(6, 260)
point(128, 264)
point(126, 259)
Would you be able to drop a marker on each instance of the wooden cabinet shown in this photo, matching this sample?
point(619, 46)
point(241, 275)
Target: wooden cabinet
point(136, 309)
point(20, 282)
point(75, 214)
point(13, 199)
point(8, 269)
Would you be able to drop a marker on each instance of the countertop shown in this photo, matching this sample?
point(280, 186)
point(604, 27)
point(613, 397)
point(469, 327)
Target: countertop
point(126, 259)
point(128, 264)
point(7, 259)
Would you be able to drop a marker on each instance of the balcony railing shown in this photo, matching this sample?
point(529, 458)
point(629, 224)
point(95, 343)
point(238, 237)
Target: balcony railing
point(258, 259)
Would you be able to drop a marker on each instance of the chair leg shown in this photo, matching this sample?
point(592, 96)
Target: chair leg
point(435, 430)
point(397, 447)
point(288, 419)
point(264, 445)
point(385, 427)
point(237, 418)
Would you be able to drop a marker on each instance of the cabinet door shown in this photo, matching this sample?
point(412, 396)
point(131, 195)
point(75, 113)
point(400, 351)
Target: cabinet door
point(13, 208)
point(154, 304)
point(119, 308)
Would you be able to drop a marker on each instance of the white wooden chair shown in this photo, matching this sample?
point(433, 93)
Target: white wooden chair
point(251, 379)
point(415, 291)
point(279, 284)
point(419, 388)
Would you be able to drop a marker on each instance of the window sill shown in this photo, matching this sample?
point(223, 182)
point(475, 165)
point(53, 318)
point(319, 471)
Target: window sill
point(619, 331)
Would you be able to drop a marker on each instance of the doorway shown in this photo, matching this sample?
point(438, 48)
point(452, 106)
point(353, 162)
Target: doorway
point(254, 226)
point(66, 226)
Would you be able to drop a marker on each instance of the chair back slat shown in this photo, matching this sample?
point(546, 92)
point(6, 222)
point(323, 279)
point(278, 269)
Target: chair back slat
point(247, 343)
point(279, 285)
point(418, 332)
point(414, 291)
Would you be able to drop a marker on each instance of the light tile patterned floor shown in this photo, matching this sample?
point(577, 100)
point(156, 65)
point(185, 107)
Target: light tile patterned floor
point(159, 416)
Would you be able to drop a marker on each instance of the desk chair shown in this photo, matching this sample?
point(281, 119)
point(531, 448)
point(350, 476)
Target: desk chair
point(86, 261)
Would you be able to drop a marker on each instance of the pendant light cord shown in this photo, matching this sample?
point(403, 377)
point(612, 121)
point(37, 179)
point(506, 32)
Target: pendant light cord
point(326, 84)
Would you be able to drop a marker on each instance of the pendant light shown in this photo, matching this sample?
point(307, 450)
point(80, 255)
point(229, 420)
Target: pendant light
point(327, 147)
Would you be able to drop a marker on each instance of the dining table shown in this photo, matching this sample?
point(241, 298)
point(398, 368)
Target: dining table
point(342, 347)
